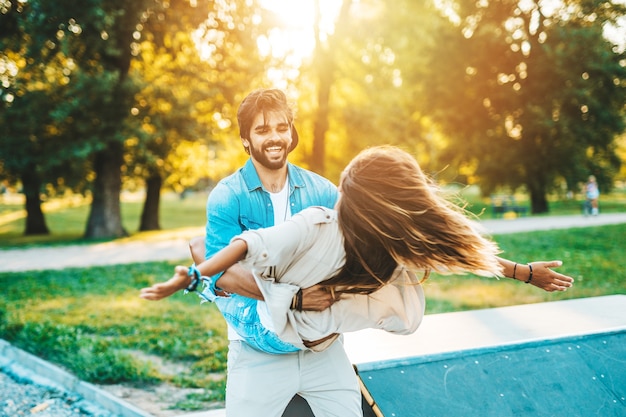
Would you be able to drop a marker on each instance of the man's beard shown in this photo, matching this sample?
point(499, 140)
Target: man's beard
point(260, 156)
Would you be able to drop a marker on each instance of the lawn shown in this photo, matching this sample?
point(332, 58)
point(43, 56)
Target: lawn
point(92, 322)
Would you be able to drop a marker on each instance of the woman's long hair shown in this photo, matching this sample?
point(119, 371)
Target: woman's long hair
point(391, 214)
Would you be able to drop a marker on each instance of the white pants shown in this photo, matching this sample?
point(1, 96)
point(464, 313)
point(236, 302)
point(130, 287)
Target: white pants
point(261, 384)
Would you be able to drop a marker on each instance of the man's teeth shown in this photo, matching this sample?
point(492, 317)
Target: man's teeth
point(274, 149)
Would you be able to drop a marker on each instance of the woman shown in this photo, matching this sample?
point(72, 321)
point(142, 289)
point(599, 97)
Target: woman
point(389, 220)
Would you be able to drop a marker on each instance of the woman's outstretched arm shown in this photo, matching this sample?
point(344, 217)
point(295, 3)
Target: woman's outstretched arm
point(539, 274)
point(219, 262)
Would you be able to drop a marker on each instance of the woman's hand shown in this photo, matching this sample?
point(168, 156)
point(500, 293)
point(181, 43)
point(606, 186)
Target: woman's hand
point(179, 281)
point(544, 277)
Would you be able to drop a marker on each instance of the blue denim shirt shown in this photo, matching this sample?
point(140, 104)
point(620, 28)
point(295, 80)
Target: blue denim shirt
point(238, 203)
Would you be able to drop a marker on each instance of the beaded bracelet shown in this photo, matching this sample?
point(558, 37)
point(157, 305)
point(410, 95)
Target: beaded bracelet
point(195, 276)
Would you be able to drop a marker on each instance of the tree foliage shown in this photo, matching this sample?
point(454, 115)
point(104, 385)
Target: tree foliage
point(191, 69)
point(129, 86)
point(526, 96)
point(360, 66)
point(77, 46)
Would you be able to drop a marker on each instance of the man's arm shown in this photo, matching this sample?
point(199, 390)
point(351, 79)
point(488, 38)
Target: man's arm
point(238, 280)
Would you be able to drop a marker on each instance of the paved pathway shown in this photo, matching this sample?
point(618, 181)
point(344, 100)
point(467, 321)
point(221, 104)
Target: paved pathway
point(530, 223)
point(176, 248)
point(107, 253)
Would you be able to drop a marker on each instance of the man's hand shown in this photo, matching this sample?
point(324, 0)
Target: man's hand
point(316, 298)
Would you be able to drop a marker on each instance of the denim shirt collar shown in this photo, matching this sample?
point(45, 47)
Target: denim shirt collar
point(253, 182)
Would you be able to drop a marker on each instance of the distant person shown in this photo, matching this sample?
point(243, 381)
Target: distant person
point(592, 194)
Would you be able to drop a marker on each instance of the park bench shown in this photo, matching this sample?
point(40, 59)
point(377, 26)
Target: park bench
point(503, 204)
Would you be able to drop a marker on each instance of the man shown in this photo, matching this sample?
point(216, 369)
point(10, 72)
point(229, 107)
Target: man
point(266, 191)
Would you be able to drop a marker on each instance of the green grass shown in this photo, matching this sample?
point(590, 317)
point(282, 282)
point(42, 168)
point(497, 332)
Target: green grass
point(93, 323)
point(592, 256)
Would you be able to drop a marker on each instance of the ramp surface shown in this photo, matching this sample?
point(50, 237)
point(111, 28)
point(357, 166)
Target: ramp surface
point(579, 376)
point(560, 358)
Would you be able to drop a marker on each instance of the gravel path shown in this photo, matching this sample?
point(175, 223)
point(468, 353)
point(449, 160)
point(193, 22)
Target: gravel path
point(23, 396)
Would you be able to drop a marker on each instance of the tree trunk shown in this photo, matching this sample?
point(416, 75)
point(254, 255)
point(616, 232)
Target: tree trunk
point(150, 213)
point(538, 200)
point(105, 218)
point(320, 126)
point(325, 66)
point(35, 220)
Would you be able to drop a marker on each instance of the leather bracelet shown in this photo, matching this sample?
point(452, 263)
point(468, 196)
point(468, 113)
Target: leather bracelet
point(296, 301)
point(530, 275)
point(514, 269)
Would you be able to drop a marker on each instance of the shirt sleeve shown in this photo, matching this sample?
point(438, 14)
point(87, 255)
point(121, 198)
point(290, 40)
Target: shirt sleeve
point(286, 244)
point(397, 307)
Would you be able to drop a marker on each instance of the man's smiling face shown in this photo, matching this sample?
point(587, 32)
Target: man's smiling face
point(270, 139)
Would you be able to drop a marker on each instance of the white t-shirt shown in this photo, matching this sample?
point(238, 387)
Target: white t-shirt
point(282, 212)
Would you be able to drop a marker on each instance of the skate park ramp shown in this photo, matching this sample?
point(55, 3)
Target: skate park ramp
point(562, 358)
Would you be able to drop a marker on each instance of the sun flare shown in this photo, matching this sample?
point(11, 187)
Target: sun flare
point(295, 37)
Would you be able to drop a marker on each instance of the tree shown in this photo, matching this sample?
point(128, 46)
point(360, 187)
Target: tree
point(325, 58)
point(22, 157)
point(528, 96)
point(192, 67)
point(389, 41)
point(78, 46)
point(362, 85)
point(33, 149)
point(113, 53)
point(98, 41)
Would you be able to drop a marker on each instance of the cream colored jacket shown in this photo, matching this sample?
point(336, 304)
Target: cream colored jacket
point(308, 249)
